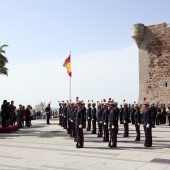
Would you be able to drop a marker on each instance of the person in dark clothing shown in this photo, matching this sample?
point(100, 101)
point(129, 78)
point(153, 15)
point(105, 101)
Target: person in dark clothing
point(4, 112)
point(48, 111)
point(28, 115)
point(121, 114)
point(137, 121)
point(60, 113)
point(147, 125)
point(84, 113)
point(113, 119)
point(89, 117)
point(132, 114)
point(79, 125)
point(153, 110)
point(126, 116)
point(64, 116)
point(105, 116)
point(93, 115)
point(99, 120)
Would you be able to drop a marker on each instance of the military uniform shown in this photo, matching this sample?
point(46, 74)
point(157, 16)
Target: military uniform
point(93, 115)
point(153, 115)
point(126, 120)
point(89, 117)
point(99, 120)
point(84, 113)
point(113, 126)
point(105, 123)
point(60, 113)
point(137, 122)
point(79, 126)
point(68, 119)
point(64, 116)
point(4, 110)
point(147, 126)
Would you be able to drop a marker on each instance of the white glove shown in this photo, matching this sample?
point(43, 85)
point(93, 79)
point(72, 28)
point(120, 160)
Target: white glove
point(80, 126)
point(104, 123)
point(124, 121)
point(64, 116)
point(113, 127)
point(92, 119)
point(71, 120)
point(138, 123)
point(147, 126)
point(88, 117)
point(100, 122)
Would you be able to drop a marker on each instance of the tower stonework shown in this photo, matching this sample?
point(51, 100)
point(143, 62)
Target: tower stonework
point(153, 42)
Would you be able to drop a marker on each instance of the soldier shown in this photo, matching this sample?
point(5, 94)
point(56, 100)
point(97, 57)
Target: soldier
point(93, 115)
point(74, 122)
point(105, 122)
point(113, 125)
point(126, 120)
point(153, 114)
point(71, 118)
point(79, 125)
point(89, 117)
point(137, 121)
point(99, 120)
point(84, 113)
point(158, 116)
point(60, 113)
point(48, 111)
point(121, 115)
point(147, 125)
point(64, 116)
point(117, 112)
point(132, 114)
point(68, 118)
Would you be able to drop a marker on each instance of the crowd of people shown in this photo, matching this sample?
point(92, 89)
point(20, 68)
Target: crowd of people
point(106, 115)
point(11, 116)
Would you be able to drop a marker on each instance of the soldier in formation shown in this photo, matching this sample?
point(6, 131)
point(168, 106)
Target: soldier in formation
point(107, 115)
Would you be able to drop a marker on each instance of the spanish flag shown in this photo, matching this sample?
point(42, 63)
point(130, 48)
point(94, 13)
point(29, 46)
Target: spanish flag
point(67, 64)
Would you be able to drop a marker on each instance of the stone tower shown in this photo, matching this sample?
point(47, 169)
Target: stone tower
point(153, 42)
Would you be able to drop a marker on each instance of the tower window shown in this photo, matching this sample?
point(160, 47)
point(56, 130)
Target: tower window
point(166, 84)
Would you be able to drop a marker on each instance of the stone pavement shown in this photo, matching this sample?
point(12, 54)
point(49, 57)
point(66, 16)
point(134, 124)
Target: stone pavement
point(44, 147)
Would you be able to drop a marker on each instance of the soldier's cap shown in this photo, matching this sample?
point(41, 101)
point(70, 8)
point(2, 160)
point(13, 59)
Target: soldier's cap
point(99, 104)
point(63, 102)
point(146, 103)
point(105, 104)
point(79, 102)
point(136, 105)
point(125, 104)
point(93, 104)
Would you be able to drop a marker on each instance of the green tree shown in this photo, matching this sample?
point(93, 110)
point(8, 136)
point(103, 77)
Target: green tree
point(3, 61)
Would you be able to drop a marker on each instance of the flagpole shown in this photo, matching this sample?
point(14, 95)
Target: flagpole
point(70, 82)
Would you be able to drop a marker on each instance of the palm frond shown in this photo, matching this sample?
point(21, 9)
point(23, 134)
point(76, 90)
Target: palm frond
point(1, 47)
point(3, 59)
point(4, 71)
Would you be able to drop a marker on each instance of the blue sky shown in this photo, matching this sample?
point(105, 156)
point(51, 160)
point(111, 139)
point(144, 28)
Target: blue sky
point(44, 32)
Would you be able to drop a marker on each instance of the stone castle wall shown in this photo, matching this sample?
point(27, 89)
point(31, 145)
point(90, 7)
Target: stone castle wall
point(153, 42)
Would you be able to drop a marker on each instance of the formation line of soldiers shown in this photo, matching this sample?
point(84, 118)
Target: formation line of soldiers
point(73, 118)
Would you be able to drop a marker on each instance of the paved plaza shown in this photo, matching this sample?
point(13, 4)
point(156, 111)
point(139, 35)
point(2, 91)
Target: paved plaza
point(44, 147)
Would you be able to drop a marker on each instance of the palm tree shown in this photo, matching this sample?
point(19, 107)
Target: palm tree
point(3, 61)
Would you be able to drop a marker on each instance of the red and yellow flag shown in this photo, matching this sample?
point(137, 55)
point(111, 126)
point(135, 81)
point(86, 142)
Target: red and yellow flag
point(67, 64)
